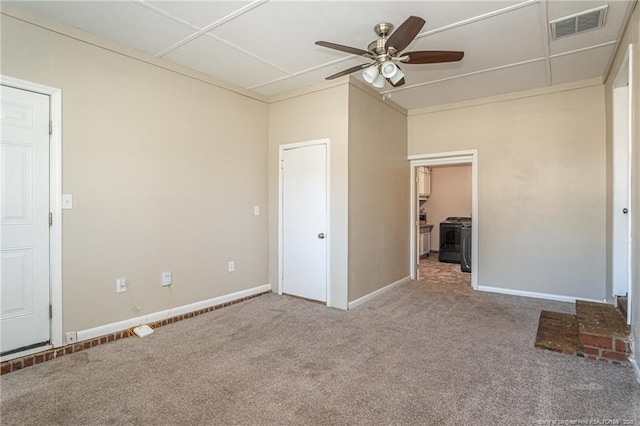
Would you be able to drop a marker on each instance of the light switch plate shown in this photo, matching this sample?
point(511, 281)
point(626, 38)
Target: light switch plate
point(67, 201)
point(121, 285)
point(256, 210)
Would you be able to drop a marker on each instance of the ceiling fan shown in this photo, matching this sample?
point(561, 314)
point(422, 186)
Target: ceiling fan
point(385, 52)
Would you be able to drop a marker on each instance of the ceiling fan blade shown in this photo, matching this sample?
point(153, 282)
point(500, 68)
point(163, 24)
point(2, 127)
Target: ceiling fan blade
point(340, 47)
point(347, 71)
point(398, 84)
point(405, 33)
point(432, 56)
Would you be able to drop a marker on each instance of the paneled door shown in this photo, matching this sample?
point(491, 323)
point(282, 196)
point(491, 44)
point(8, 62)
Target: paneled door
point(24, 220)
point(304, 221)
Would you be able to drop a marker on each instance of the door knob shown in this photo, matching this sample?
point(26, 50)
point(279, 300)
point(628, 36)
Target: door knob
point(625, 210)
point(321, 236)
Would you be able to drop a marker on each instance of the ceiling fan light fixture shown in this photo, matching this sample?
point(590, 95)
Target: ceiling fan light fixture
point(399, 75)
point(389, 69)
point(370, 74)
point(378, 82)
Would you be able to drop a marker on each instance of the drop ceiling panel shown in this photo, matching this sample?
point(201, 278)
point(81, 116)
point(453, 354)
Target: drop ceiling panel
point(494, 48)
point(507, 38)
point(614, 19)
point(199, 13)
point(124, 22)
point(582, 65)
point(522, 77)
point(223, 62)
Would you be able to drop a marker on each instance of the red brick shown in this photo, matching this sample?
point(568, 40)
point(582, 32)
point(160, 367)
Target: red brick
point(597, 341)
point(16, 364)
point(77, 348)
point(589, 350)
point(111, 338)
point(28, 361)
point(103, 340)
point(48, 356)
point(622, 346)
point(592, 357)
point(5, 368)
point(68, 350)
point(618, 356)
point(38, 359)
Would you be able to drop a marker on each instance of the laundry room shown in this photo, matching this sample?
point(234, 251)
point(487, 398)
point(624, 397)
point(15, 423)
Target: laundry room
point(445, 206)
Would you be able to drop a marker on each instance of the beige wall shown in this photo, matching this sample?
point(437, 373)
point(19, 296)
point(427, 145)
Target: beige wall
point(378, 194)
point(632, 35)
point(541, 186)
point(317, 115)
point(164, 172)
point(450, 196)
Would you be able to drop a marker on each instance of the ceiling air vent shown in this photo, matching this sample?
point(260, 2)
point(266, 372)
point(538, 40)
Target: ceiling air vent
point(580, 22)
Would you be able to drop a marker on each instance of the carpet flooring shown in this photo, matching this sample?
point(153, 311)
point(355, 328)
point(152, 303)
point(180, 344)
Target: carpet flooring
point(425, 353)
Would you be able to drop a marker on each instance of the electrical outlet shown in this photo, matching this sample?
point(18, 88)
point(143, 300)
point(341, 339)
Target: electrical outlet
point(166, 279)
point(121, 285)
point(256, 210)
point(72, 337)
point(232, 266)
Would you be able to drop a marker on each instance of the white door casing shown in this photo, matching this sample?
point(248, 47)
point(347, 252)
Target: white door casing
point(448, 159)
point(24, 219)
point(303, 220)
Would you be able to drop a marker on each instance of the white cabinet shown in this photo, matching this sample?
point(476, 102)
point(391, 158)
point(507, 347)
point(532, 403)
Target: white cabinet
point(425, 242)
point(424, 182)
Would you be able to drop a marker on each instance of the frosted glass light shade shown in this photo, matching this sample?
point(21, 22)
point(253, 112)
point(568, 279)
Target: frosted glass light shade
point(378, 82)
point(397, 77)
point(370, 74)
point(389, 69)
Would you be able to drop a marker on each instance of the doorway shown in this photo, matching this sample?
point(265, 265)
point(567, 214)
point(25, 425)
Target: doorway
point(435, 160)
point(622, 181)
point(304, 233)
point(31, 302)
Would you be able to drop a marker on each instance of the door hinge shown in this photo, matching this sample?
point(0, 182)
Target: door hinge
point(50, 219)
point(50, 312)
point(50, 127)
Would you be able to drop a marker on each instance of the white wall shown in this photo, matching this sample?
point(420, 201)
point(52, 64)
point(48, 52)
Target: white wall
point(541, 185)
point(450, 196)
point(378, 193)
point(164, 170)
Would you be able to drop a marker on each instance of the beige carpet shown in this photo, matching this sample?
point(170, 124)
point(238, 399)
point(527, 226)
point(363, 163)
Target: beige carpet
point(419, 354)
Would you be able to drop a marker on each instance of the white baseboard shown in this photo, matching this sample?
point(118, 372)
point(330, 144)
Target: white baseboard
point(535, 295)
point(103, 330)
point(378, 292)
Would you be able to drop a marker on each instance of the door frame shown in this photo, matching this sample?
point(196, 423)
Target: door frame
point(446, 159)
point(55, 204)
point(281, 150)
point(624, 78)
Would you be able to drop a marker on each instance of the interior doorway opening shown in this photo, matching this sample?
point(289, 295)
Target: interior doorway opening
point(422, 167)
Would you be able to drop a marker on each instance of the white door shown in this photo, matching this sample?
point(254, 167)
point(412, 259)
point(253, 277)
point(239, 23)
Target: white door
point(24, 219)
point(621, 170)
point(304, 222)
point(623, 184)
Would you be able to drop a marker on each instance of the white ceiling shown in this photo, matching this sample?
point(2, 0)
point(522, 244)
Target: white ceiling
point(268, 46)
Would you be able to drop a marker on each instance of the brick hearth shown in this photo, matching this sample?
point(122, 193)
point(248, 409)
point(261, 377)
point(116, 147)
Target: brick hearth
point(597, 331)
